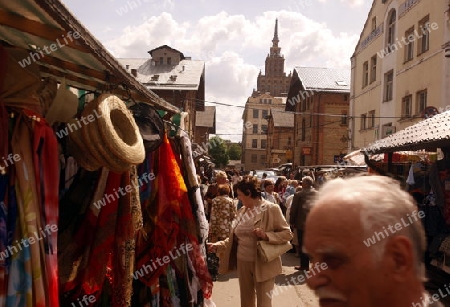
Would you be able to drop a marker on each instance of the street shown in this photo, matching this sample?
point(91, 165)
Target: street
point(226, 289)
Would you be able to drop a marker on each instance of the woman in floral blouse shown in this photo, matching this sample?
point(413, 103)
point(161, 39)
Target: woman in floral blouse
point(223, 212)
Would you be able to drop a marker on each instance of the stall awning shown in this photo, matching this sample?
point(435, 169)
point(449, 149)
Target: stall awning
point(428, 134)
point(49, 32)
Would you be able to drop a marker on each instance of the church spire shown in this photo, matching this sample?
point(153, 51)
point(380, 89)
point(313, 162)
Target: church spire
point(275, 39)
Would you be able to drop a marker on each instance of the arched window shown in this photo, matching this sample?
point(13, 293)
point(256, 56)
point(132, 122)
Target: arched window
point(390, 33)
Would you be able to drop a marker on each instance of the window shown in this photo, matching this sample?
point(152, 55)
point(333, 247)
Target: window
point(344, 118)
point(161, 60)
point(363, 121)
point(407, 106)
point(289, 142)
point(308, 103)
point(270, 101)
point(255, 129)
point(374, 23)
point(421, 101)
point(371, 119)
point(254, 143)
point(264, 113)
point(390, 33)
point(263, 144)
point(264, 129)
point(388, 85)
point(263, 158)
point(254, 159)
point(365, 74)
point(303, 130)
point(303, 105)
point(409, 48)
point(255, 113)
point(373, 68)
point(424, 37)
point(169, 60)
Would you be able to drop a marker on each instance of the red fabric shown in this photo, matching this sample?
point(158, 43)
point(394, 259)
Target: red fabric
point(46, 165)
point(95, 240)
point(170, 188)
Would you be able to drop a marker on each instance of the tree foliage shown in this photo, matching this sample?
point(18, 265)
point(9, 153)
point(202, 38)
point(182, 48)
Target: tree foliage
point(235, 152)
point(218, 151)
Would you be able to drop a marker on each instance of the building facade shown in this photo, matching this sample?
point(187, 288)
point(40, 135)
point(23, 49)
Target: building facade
point(270, 93)
point(205, 124)
point(320, 99)
point(280, 137)
point(254, 136)
point(175, 78)
point(400, 68)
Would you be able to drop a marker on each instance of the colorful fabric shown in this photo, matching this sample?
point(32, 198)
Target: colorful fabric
point(26, 285)
point(46, 163)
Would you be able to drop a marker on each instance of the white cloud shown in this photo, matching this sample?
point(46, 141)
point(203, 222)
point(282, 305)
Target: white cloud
point(351, 3)
point(234, 49)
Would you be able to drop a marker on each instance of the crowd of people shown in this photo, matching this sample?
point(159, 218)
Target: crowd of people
point(331, 225)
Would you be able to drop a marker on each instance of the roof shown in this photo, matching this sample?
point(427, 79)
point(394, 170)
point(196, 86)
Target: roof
point(428, 134)
point(166, 47)
point(84, 61)
point(324, 79)
point(282, 118)
point(184, 76)
point(206, 118)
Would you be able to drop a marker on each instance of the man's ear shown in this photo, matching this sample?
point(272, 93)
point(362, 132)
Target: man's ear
point(399, 258)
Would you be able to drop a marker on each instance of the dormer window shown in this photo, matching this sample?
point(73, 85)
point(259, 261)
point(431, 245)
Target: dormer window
point(155, 78)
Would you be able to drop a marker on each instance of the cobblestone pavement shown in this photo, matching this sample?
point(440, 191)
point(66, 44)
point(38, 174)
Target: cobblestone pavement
point(226, 289)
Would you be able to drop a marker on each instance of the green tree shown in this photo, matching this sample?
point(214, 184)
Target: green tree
point(218, 151)
point(234, 152)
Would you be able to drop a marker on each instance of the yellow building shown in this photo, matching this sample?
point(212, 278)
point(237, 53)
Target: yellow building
point(254, 136)
point(399, 68)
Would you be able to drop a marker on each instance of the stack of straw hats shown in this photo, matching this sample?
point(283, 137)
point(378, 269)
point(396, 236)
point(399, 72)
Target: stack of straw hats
point(107, 136)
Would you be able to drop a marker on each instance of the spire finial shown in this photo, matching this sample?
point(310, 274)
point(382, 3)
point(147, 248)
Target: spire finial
point(275, 36)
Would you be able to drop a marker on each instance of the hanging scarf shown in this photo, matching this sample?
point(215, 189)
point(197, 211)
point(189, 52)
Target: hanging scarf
point(46, 166)
point(170, 188)
point(26, 286)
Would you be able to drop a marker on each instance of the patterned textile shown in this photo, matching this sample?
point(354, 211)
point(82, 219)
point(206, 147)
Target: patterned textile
point(223, 212)
point(26, 285)
point(168, 224)
point(46, 163)
point(186, 151)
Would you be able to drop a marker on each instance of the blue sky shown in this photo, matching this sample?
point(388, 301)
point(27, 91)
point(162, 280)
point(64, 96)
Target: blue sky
point(232, 37)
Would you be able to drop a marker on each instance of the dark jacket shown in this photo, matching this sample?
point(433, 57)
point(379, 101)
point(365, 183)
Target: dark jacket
point(301, 204)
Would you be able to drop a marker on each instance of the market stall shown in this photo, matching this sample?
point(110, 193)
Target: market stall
point(426, 177)
point(98, 206)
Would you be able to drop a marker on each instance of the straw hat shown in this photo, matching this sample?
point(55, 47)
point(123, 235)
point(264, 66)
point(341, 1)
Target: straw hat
point(76, 147)
point(111, 138)
point(119, 130)
point(96, 144)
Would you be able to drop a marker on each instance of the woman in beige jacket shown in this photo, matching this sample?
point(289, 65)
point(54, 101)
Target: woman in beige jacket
point(256, 220)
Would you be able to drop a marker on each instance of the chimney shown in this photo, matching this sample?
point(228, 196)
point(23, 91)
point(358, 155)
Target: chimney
point(134, 72)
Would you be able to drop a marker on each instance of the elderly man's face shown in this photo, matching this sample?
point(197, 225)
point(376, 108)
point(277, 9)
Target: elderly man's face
point(353, 279)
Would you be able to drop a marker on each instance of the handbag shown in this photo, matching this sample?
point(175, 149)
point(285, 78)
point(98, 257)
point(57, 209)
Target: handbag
point(268, 251)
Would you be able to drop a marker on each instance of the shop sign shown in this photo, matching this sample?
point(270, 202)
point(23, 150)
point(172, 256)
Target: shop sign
point(306, 151)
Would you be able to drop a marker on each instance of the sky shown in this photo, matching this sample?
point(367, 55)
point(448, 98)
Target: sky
point(232, 37)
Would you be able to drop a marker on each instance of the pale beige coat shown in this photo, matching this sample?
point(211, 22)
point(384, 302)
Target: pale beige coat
point(271, 220)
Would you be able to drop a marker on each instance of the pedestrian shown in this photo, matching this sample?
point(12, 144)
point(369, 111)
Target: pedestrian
point(370, 263)
point(301, 204)
point(223, 212)
point(211, 193)
point(269, 193)
point(256, 220)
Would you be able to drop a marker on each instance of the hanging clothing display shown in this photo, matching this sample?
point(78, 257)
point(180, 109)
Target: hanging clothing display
point(80, 217)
